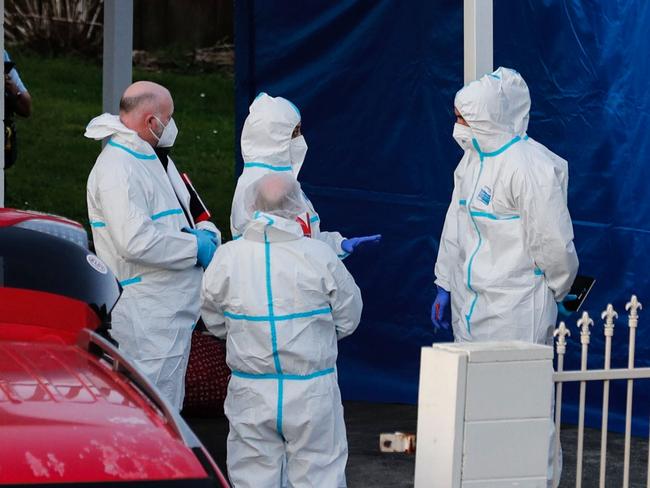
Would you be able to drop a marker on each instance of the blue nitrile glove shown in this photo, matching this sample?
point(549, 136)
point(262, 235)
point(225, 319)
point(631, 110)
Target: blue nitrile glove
point(440, 309)
point(560, 305)
point(206, 245)
point(349, 245)
point(198, 231)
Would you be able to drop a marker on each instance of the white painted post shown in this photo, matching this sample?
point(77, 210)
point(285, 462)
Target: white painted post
point(609, 315)
point(633, 306)
point(584, 323)
point(118, 51)
point(441, 405)
point(561, 333)
point(2, 110)
point(648, 474)
point(478, 43)
point(485, 421)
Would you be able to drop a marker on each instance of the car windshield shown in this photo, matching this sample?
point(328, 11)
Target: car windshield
point(36, 261)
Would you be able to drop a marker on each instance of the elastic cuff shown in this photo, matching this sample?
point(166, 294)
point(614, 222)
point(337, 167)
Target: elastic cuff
point(443, 284)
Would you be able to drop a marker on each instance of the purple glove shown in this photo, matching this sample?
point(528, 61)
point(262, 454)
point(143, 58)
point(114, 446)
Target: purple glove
point(349, 245)
point(440, 309)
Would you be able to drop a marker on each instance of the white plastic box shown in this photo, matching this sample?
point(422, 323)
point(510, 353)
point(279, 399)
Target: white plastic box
point(484, 414)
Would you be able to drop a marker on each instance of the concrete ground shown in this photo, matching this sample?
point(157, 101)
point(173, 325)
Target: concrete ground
point(367, 467)
point(591, 459)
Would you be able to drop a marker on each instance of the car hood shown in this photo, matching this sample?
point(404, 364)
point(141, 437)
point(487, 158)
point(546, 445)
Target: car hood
point(66, 416)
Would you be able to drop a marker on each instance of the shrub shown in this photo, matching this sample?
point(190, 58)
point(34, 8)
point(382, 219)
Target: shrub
point(55, 26)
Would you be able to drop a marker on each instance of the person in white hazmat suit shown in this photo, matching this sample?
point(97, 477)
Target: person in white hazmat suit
point(281, 301)
point(506, 252)
point(271, 142)
point(137, 209)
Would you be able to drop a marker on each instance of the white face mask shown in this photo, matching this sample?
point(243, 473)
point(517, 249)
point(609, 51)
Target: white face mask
point(463, 136)
point(168, 135)
point(298, 151)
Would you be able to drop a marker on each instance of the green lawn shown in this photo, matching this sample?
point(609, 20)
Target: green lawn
point(55, 158)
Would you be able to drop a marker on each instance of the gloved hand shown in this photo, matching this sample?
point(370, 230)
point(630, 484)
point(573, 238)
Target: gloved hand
point(561, 308)
point(349, 245)
point(206, 245)
point(440, 309)
point(198, 231)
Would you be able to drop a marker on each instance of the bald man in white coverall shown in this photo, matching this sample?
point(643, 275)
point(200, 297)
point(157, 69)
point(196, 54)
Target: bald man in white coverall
point(143, 229)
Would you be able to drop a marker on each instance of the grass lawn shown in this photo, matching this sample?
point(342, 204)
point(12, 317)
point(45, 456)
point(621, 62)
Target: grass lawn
point(54, 157)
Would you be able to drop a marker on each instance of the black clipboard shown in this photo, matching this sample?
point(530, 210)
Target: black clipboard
point(580, 288)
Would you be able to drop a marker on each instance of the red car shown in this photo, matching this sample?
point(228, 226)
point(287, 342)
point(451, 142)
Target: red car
point(73, 410)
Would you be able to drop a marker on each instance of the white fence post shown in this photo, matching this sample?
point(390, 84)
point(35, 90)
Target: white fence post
point(584, 323)
point(632, 306)
point(648, 473)
point(606, 375)
point(609, 315)
point(561, 333)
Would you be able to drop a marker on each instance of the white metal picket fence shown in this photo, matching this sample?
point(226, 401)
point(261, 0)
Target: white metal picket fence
point(606, 375)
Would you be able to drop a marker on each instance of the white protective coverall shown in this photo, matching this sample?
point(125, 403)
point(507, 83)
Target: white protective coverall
point(506, 251)
point(136, 223)
point(266, 147)
point(282, 301)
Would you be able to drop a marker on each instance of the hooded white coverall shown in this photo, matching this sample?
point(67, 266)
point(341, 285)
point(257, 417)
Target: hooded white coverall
point(506, 251)
point(266, 147)
point(282, 301)
point(136, 221)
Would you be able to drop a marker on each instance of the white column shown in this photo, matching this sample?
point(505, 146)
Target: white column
point(2, 110)
point(478, 43)
point(118, 51)
point(484, 415)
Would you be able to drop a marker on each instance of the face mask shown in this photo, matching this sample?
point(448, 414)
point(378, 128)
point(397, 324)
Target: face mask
point(298, 151)
point(463, 136)
point(169, 133)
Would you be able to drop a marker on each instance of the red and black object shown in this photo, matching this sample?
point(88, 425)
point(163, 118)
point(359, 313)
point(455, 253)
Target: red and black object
point(199, 211)
point(74, 411)
point(580, 288)
point(51, 287)
point(305, 225)
point(207, 377)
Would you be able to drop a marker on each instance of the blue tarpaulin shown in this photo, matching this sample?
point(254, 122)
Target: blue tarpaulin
point(375, 82)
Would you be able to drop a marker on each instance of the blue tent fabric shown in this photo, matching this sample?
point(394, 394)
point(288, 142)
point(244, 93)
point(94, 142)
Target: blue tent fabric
point(587, 71)
point(375, 81)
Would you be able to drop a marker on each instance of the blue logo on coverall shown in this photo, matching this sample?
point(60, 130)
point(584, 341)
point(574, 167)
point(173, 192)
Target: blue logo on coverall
point(485, 195)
